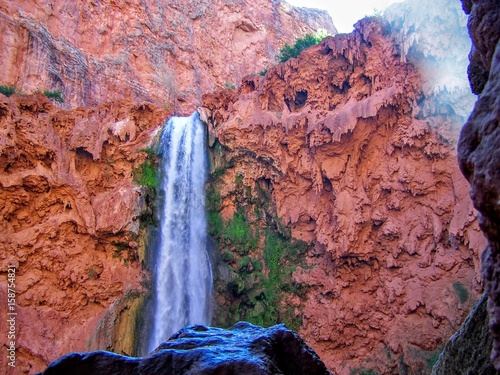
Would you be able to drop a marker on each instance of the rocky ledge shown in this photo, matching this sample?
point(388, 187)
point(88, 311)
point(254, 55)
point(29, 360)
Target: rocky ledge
point(243, 349)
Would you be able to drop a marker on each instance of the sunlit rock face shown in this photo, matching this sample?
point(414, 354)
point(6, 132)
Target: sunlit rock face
point(69, 222)
point(168, 52)
point(479, 145)
point(338, 140)
point(244, 349)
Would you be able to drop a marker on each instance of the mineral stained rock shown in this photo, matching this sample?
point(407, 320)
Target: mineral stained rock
point(244, 349)
point(479, 146)
point(70, 217)
point(336, 140)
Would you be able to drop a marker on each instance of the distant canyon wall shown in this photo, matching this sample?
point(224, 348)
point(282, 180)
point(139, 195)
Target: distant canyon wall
point(169, 53)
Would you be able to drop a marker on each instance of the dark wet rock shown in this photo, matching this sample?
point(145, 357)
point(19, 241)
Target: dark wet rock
point(479, 146)
point(468, 351)
point(243, 349)
point(484, 30)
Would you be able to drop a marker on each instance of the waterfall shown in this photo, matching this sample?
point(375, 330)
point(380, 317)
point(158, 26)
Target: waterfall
point(182, 274)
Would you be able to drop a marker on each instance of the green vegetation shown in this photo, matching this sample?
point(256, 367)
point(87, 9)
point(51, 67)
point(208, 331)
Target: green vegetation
point(92, 273)
point(259, 253)
point(230, 85)
point(363, 371)
point(55, 95)
point(434, 358)
point(146, 174)
point(214, 218)
point(263, 72)
point(7, 90)
point(119, 247)
point(461, 291)
point(240, 234)
point(288, 52)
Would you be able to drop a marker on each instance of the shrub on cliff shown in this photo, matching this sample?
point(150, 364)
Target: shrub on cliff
point(56, 95)
point(288, 52)
point(7, 90)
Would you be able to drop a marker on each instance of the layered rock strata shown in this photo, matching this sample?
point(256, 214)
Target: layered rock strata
point(157, 51)
point(336, 141)
point(244, 349)
point(479, 145)
point(70, 220)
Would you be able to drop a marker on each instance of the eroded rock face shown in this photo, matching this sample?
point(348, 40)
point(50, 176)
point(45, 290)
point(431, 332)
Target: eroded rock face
point(69, 219)
point(168, 52)
point(479, 145)
point(244, 349)
point(334, 140)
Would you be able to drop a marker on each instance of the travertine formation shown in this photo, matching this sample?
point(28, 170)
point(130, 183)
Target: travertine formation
point(334, 139)
point(347, 142)
point(167, 52)
point(479, 145)
point(70, 210)
point(70, 214)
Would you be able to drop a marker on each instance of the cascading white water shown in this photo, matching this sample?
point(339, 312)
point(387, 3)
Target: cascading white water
point(183, 280)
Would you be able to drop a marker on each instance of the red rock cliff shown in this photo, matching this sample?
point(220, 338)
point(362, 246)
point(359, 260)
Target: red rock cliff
point(166, 52)
point(70, 210)
point(70, 217)
point(335, 140)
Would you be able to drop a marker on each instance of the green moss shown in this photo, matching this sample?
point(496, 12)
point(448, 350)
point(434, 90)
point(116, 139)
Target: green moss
point(434, 358)
point(214, 218)
point(257, 265)
point(228, 257)
point(239, 232)
point(261, 262)
point(245, 264)
point(461, 291)
point(146, 174)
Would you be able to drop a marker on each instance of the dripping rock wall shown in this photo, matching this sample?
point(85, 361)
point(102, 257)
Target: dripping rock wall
point(70, 222)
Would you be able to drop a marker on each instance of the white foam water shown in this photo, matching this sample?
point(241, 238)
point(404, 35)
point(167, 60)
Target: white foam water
point(182, 273)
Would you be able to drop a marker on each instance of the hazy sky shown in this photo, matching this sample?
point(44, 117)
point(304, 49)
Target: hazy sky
point(346, 12)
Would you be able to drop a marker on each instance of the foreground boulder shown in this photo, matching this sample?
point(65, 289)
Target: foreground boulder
point(243, 349)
